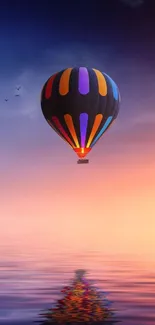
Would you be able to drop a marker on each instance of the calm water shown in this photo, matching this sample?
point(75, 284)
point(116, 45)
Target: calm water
point(30, 284)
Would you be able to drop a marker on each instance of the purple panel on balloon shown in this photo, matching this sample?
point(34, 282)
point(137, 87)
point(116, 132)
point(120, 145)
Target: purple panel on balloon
point(83, 128)
point(83, 81)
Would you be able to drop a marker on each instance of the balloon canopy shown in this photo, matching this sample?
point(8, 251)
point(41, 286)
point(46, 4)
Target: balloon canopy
point(80, 104)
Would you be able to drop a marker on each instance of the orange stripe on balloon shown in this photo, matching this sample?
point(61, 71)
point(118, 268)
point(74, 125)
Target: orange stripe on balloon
point(95, 127)
point(48, 90)
point(102, 85)
point(62, 131)
point(70, 125)
point(52, 126)
point(64, 82)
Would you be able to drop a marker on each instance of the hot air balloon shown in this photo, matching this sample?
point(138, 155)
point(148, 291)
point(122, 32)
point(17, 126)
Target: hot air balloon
point(80, 104)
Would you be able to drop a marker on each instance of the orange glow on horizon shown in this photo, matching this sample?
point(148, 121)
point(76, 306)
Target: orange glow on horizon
point(41, 204)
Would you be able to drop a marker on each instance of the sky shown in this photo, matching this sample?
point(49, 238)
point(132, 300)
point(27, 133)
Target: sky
point(46, 199)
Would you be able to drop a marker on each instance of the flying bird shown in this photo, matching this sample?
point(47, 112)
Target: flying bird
point(6, 99)
point(17, 95)
point(18, 87)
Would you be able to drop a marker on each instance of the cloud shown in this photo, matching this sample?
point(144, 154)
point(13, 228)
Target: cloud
point(28, 102)
point(32, 78)
point(144, 119)
point(133, 3)
point(8, 264)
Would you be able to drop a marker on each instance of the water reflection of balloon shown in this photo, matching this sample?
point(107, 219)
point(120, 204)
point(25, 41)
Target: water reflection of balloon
point(81, 303)
point(80, 104)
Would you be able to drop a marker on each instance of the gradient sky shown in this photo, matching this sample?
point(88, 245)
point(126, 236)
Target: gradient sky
point(46, 199)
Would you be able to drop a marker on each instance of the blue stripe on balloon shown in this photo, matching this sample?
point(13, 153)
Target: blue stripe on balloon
point(106, 124)
point(114, 87)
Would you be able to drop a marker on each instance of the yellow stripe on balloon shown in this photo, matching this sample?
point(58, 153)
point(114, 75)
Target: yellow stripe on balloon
point(95, 127)
point(64, 82)
point(70, 125)
point(102, 85)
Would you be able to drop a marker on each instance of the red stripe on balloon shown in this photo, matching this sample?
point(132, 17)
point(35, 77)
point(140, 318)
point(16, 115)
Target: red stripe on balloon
point(60, 135)
point(62, 131)
point(48, 90)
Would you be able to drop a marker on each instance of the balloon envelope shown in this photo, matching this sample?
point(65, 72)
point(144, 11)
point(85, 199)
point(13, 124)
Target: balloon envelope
point(80, 104)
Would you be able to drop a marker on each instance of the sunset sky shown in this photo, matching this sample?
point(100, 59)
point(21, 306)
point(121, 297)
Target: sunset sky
point(46, 199)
